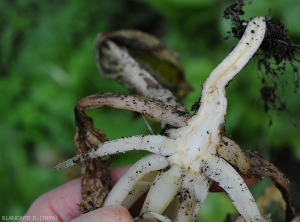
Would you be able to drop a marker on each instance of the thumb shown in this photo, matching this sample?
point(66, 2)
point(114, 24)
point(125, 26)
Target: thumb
point(106, 214)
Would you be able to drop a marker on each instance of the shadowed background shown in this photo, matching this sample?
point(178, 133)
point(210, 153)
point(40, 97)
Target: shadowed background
point(47, 64)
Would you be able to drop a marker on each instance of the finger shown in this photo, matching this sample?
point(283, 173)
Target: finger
point(61, 202)
point(117, 173)
point(106, 214)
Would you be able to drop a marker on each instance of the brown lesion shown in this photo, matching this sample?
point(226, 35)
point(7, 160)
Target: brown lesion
point(95, 177)
point(263, 168)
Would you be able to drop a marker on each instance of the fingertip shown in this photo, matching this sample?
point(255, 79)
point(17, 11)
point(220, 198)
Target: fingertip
point(106, 214)
point(250, 180)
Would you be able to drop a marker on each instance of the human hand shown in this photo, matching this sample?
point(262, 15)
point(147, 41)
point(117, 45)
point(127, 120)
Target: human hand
point(62, 203)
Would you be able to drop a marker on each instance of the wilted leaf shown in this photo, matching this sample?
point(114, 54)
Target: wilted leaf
point(161, 62)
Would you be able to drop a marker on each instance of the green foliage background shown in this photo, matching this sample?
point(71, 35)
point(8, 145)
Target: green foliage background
point(47, 65)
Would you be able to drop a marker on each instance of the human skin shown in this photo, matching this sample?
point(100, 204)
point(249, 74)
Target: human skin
point(62, 203)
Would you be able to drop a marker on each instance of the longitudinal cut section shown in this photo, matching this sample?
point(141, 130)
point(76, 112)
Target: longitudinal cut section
point(191, 153)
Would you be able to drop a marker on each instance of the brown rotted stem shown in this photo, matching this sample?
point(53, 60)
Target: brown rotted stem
point(95, 177)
